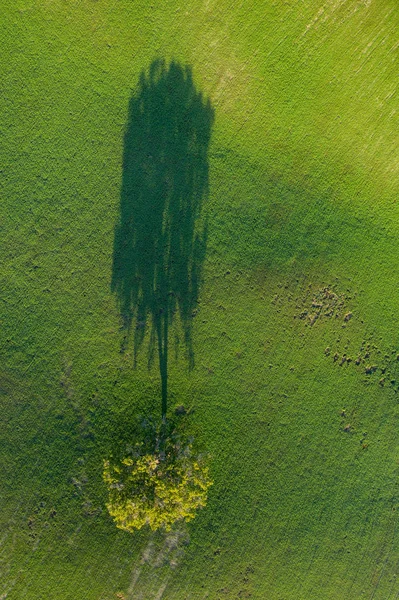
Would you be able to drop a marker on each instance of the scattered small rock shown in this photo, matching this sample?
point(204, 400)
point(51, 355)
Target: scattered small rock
point(76, 482)
point(348, 316)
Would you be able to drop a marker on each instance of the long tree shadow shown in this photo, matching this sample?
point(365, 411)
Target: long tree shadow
point(160, 239)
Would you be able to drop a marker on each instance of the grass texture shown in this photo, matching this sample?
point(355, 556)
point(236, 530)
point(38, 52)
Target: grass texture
point(289, 367)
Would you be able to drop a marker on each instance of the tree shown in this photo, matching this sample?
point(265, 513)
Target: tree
point(156, 488)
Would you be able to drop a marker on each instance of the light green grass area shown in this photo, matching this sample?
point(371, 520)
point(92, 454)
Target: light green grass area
point(303, 219)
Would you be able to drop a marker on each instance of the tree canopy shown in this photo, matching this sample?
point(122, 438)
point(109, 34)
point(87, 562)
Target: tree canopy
point(156, 488)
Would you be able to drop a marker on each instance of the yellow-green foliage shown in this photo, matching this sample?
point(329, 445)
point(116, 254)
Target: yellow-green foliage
point(155, 489)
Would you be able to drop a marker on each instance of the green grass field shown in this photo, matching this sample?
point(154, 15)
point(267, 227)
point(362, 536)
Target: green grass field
point(296, 403)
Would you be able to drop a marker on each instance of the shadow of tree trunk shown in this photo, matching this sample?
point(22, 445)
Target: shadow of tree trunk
point(160, 238)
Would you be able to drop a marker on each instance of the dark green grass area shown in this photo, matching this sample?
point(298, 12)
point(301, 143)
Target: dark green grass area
point(290, 314)
point(159, 249)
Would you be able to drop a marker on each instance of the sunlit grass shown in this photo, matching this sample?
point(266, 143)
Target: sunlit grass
point(302, 197)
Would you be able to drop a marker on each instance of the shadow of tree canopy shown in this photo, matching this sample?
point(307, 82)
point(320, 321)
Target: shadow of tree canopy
point(160, 240)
